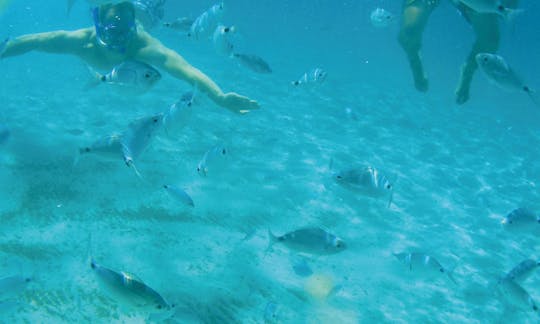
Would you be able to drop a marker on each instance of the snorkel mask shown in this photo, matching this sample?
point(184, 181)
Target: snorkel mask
point(116, 31)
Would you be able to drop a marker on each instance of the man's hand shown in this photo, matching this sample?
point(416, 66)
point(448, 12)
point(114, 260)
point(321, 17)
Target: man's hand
point(238, 103)
point(3, 45)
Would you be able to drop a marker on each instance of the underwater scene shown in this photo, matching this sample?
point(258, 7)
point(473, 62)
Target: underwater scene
point(310, 161)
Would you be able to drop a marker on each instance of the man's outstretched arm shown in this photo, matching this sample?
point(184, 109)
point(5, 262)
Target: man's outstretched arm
point(61, 41)
point(164, 58)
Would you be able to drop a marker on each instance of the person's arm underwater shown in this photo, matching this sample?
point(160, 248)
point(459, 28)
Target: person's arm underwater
point(61, 42)
point(157, 54)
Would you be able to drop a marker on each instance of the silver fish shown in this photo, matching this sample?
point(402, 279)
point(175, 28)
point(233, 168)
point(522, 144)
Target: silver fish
point(130, 75)
point(492, 6)
point(499, 72)
point(181, 24)
point(424, 264)
point(313, 240)
point(522, 270)
point(138, 136)
point(520, 218)
point(206, 23)
point(253, 62)
point(129, 290)
point(222, 39)
point(12, 286)
point(3, 46)
point(366, 180)
point(5, 134)
point(516, 296)
point(178, 115)
point(212, 159)
point(108, 146)
point(179, 194)
point(314, 76)
point(381, 17)
point(149, 12)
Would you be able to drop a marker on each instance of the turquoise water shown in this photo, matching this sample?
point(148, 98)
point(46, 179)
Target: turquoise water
point(459, 171)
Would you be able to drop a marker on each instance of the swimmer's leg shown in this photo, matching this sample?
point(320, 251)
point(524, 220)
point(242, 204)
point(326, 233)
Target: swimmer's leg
point(415, 17)
point(486, 27)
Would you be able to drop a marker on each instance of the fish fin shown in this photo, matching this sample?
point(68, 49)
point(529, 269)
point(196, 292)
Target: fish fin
point(95, 79)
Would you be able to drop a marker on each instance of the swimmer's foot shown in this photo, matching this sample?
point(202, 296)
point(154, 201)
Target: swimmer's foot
point(462, 93)
point(462, 96)
point(420, 80)
point(421, 83)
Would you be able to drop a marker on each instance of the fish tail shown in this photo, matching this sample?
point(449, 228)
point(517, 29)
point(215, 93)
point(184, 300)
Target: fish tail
point(130, 164)
point(450, 273)
point(451, 276)
point(391, 198)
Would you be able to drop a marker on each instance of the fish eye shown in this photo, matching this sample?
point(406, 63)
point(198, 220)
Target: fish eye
point(159, 307)
point(509, 222)
point(339, 177)
point(388, 186)
point(535, 307)
point(226, 29)
point(500, 8)
point(198, 169)
point(388, 17)
point(147, 75)
point(441, 270)
point(223, 151)
point(485, 59)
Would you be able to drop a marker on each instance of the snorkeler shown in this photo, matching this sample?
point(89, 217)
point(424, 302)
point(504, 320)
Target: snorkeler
point(415, 17)
point(116, 38)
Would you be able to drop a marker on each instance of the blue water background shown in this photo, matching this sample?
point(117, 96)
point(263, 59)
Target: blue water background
point(460, 169)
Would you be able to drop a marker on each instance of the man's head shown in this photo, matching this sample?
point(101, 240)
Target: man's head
point(115, 24)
